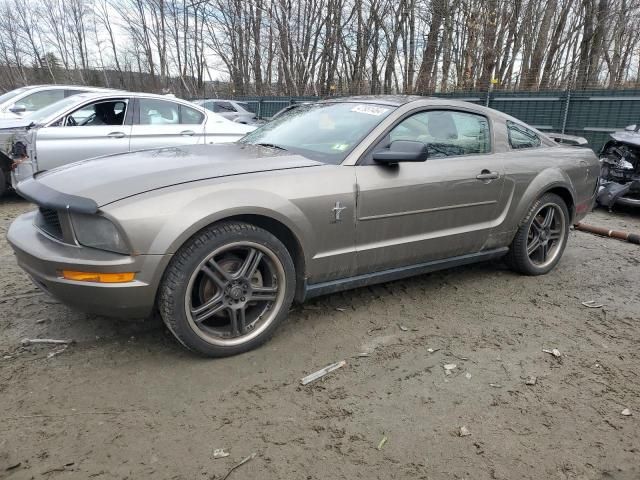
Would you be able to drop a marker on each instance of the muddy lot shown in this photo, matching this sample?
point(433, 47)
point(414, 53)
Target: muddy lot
point(127, 402)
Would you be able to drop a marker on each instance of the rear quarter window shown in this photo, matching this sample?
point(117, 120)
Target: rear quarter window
point(521, 136)
point(190, 116)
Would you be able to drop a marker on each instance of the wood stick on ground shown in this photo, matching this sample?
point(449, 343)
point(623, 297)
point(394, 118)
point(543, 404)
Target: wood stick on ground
point(250, 457)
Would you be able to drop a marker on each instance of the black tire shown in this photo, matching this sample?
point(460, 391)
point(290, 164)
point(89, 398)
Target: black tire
point(4, 185)
point(193, 264)
point(519, 257)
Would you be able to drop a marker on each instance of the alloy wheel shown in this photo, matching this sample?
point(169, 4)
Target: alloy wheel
point(546, 235)
point(235, 293)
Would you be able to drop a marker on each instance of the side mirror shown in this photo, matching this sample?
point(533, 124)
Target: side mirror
point(402, 151)
point(18, 108)
point(631, 128)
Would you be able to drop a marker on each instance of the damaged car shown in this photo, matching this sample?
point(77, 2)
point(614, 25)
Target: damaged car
point(96, 124)
point(219, 240)
point(620, 169)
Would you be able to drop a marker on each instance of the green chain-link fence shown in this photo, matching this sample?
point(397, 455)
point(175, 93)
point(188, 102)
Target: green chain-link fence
point(592, 114)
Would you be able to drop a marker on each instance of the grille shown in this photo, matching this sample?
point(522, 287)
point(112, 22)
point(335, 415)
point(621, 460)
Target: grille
point(49, 221)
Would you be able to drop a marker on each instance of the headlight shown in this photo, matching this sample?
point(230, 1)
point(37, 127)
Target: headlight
point(98, 232)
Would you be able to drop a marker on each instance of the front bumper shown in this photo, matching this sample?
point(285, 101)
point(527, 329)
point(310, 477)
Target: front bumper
point(43, 258)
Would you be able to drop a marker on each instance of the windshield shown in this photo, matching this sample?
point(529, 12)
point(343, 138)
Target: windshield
point(5, 97)
point(325, 132)
point(42, 115)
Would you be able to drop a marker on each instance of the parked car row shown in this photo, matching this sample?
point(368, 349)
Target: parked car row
point(70, 125)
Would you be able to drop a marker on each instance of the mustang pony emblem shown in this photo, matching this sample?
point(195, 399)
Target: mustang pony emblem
point(337, 211)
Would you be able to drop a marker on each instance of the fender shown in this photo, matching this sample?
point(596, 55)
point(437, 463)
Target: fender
point(181, 213)
point(549, 179)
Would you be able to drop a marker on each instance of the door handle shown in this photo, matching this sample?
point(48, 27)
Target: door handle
point(116, 135)
point(187, 133)
point(487, 175)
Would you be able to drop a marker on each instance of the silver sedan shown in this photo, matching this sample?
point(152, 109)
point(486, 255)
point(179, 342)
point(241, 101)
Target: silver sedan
point(96, 124)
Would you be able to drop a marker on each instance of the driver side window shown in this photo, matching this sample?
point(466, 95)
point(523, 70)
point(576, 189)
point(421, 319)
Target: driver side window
point(446, 133)
point(110, 112)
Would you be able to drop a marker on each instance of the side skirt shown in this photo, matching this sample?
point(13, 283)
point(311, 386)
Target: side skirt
point(325, 288)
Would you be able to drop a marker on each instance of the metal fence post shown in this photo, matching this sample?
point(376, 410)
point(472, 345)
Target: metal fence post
point(488, 96)
point(566, 111)
point(260, 109)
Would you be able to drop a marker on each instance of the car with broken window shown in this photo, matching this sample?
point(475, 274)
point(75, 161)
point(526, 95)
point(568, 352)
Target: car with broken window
point(96, 124)
point(221, 239)
point(620, 174)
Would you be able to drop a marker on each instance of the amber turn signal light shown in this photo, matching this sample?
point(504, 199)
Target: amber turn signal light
point(98, 277)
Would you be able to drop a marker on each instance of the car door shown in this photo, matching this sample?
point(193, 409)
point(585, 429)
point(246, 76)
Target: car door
point(411, 213)
point(101, 127)
point(164, 123)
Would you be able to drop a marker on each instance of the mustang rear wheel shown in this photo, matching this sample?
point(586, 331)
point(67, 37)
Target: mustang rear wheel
point(542, 237)
point(226, 290)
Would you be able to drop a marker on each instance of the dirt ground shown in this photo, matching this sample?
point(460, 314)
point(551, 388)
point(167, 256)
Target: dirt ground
point(127, 402)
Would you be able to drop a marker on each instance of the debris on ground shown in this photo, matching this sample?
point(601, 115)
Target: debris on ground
point(495, 385)
point(250, 457)
point(464, 432)
point(592, 304)
point(363, 354)
point(531, 380)
point(220, 453)
point(448, 368)
point(340, 309)
point(403, 328)
point(468, 376)
point(382, 442)
point(321, 373)
point(59, 469)
point(432, 350)
point(606, 232)
point(626, 412)
point(555, 352)
point(57, 352)
point(47, 341)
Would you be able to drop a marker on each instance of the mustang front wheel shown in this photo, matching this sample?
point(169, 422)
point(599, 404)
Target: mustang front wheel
point(542, 237)
point(226, 290)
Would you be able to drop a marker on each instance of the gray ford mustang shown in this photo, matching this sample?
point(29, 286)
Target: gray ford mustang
point(221, 239)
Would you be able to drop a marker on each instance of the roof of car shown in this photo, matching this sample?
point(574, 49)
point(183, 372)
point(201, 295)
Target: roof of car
point(97, 95)
point(57, 86)
point(391, 100)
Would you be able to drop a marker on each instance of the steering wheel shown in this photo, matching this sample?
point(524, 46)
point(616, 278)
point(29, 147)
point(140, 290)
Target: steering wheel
point(71, 122)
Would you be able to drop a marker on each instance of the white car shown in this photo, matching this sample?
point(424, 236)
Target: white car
point(230, 109)
point(95, 124)
point(26, 100)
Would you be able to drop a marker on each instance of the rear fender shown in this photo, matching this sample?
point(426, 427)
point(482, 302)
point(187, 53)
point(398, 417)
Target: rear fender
point(548, 179)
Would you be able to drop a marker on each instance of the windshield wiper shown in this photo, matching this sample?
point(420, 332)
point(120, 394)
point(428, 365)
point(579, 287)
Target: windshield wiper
point(271, 145)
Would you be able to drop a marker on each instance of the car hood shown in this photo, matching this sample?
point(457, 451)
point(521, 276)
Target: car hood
point(14, 123)
point(632, 138)
point(107, 179)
